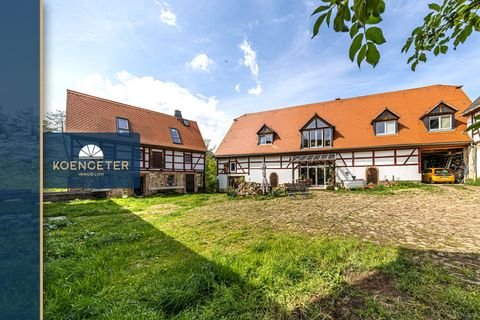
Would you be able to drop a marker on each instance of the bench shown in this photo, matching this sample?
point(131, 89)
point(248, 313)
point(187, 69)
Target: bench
point(354, 184)
point(168, 188)
point(293, 189)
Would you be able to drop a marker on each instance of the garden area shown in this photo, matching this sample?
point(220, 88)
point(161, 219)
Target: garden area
point(394, 253)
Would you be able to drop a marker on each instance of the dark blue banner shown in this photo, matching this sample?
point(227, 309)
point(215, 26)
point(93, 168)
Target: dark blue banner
point(20, 160)
point(91, 160)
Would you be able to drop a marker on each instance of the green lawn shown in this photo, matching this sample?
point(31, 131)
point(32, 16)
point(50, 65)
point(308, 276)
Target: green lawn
point(161, 258)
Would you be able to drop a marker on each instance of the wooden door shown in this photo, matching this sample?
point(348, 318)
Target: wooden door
point(190, 183)
point(273, 180)
point(372, 176)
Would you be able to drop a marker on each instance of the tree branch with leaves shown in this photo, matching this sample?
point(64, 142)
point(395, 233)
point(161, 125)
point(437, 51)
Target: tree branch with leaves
point(449, 23)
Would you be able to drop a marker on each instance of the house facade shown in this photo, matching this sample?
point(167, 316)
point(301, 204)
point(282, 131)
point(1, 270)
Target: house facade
point(172, 148)
point(474, 153)
point(382, 137)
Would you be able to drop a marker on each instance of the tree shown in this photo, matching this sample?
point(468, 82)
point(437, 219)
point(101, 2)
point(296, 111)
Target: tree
point(54, 121)
point(449, 23)
point(211, 168)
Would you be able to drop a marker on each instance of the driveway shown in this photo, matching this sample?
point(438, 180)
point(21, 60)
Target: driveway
point(445, 219)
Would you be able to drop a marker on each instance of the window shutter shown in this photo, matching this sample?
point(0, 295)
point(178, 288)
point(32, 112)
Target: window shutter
point(157, 160)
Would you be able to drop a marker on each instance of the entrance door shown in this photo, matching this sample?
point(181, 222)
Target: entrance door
point(372, 175)
point(190, 183)
point(273, 180)
point(320, 176)
point(312, 175)
point(140, 190)
point(317, 175)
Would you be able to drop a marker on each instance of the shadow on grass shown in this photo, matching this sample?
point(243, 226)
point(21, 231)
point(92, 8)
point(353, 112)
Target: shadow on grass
point(418, 284)
point(104, 262)
point(113, 264)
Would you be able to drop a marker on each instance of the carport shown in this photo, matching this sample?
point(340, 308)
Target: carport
point(450, 158)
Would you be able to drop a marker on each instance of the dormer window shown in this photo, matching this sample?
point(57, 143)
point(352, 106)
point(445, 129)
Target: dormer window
point(385, 127)
point(386, 123)
point(317, 133)
point(175, 136)
point(123, 126)
point(440, 122)
point(265, 138)
point(265, 135)
point(441, 117)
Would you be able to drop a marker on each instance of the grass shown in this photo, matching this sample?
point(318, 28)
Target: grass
point(161, 258)
point(471, 182)
point(382, 189)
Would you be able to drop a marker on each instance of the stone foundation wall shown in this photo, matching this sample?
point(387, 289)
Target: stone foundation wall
point(120, 192)
point(156, 180)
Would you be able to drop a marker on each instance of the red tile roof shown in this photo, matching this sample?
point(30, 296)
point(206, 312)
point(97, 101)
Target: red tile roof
point(86, 113)
point(352, 119)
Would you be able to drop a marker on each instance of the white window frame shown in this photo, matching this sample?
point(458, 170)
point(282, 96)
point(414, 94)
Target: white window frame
point(440, 122)
point(233, 167)
point(265, 139)
point(385, 126)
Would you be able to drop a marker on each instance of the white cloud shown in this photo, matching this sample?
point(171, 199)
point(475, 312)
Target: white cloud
point(237, 87)
point(249, 57)
point(250, 61)
point(168, 17)
point(257, 90)
point(162, 96)
point(200, 62)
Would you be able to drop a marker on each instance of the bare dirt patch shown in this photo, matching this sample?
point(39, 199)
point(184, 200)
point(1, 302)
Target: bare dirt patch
point(447, 219)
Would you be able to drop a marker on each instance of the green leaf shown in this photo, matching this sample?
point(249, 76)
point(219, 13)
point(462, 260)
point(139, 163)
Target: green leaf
point(373, 20)
point(361, 55)
point(473, 126)
point(414, 65)
point(407, 45)
point(436, 51)
point(320, 9)
point(355, 46)
point(435, 7)
point(359, 7)
point(372, 4)
point(318, 23)
point(353, 30)
point(329, 15)
point(466, 32)
point(443, 49)
point(422, 57)
point(338, 24)
point(373, 56)
point(375, 35)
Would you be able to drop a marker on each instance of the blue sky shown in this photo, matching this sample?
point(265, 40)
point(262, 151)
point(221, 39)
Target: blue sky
point(216, 60)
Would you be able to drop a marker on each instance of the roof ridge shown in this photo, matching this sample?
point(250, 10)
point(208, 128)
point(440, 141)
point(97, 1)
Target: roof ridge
point(122, 103)
point(350, 98)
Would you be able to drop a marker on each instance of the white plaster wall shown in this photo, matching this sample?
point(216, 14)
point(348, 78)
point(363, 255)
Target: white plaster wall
point(397, 173)
point(284, 175)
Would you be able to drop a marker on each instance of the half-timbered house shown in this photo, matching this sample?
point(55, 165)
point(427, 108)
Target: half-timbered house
point(172, 148)
point(471, 113)
point(377, 138)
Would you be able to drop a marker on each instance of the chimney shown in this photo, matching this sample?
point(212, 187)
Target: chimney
point(178, 114)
